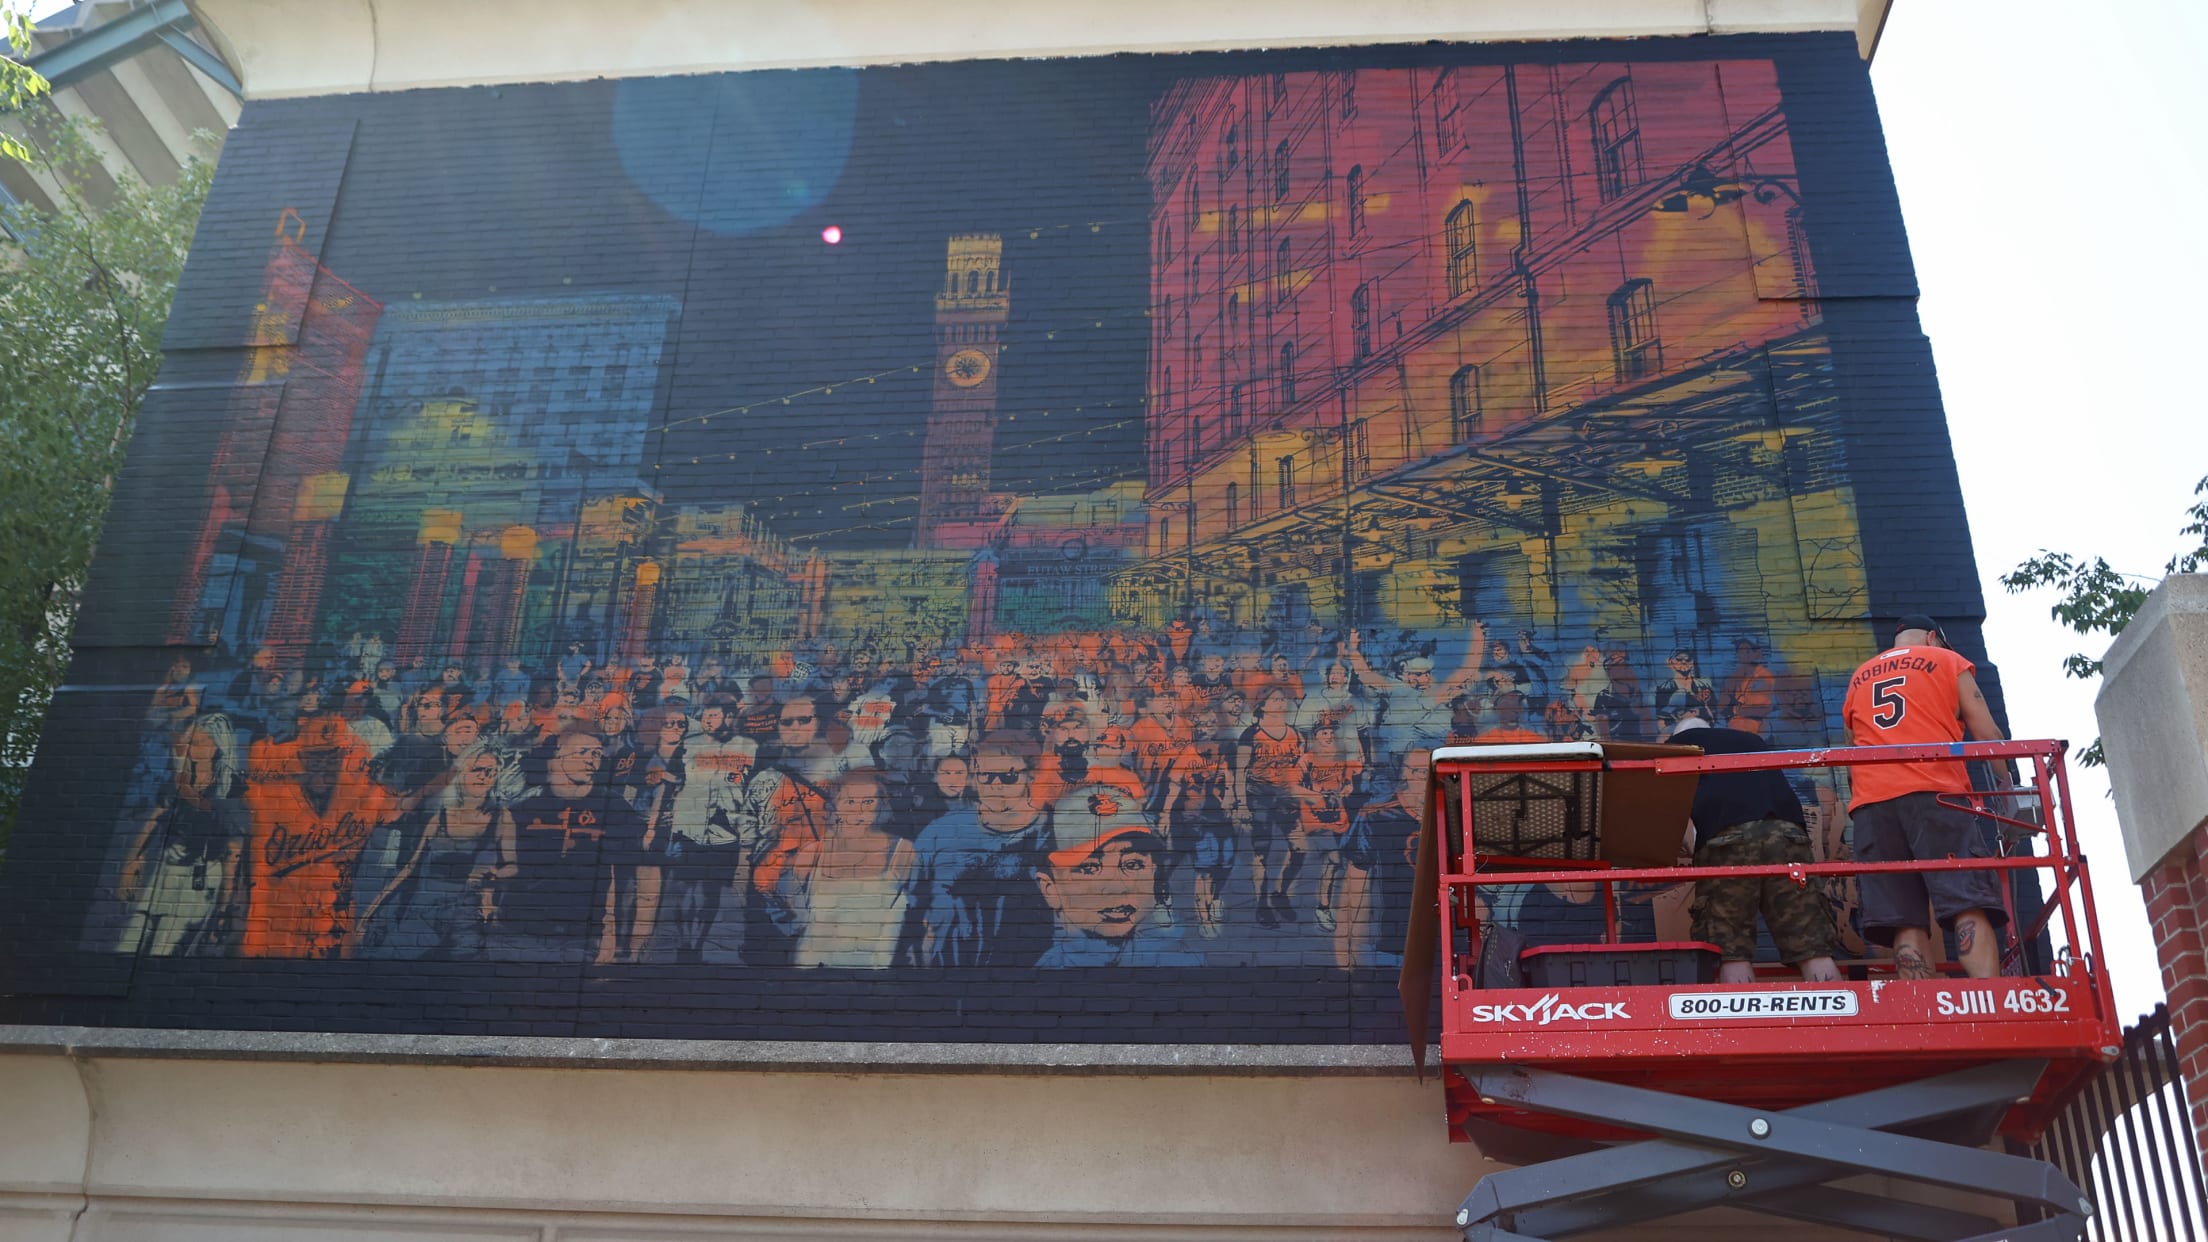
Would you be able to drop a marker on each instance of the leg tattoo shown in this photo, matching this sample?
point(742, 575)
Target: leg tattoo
point(1910, 964)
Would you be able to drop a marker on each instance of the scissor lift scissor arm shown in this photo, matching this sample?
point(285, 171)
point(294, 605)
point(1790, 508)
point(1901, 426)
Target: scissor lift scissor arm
point(1682, 1096)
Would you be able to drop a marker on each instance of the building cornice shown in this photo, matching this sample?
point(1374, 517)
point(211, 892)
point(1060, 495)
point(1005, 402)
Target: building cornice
point(287, 48)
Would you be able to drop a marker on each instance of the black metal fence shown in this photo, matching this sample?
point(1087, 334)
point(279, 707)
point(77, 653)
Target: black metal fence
point(2127, 1139)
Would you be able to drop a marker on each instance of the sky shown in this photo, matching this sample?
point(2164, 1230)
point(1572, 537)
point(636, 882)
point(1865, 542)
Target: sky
point(2034, 151)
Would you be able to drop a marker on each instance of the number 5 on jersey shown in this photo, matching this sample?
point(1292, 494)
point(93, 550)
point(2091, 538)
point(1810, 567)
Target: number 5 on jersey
point(1891, 706)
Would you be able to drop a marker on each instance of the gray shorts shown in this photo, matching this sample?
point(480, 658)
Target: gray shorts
point(1916, 827)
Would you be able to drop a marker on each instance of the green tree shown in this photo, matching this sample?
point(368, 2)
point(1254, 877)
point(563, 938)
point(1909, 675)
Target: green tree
point(2098, 599)
point(19, 83)
point(84, 294)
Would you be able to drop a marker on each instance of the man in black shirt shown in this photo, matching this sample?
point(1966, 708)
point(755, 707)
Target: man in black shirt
point(567, 841)
point(1745, 819)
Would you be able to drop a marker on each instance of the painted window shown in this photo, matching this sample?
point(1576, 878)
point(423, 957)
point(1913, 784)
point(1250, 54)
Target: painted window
point(1617, 138)
point(1463, 249)
point(1234, 504)
point(1445, 111)
point(1283, 271)
point(1280, 172)
point(1360, 321)
point(1288, 374)
point(1465, 402)
point(1633, 341)
point(1356, 199)
point(1287, 479)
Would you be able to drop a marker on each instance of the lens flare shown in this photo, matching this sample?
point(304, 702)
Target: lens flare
point(831, 235)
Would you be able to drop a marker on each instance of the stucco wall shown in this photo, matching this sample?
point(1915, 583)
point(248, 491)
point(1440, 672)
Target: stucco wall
point(165, 1148)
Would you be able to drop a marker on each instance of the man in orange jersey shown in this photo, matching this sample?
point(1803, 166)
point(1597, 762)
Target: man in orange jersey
point(1921, 692)
point(1158, 737)
point(312, 807)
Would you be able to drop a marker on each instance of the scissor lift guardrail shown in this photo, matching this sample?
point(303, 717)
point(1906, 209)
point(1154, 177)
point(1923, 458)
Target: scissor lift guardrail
point(1668, 1098)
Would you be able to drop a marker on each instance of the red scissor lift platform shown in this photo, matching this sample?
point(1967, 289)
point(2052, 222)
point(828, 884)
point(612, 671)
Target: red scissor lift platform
point(1630, 1101)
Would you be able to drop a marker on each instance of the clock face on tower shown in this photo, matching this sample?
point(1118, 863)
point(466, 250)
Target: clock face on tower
point(967, 367)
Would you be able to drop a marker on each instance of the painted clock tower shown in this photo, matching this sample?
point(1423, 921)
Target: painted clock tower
point(957, 508)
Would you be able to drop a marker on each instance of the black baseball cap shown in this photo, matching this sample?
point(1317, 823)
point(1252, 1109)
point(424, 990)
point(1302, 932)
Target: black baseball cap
point(1919, 621)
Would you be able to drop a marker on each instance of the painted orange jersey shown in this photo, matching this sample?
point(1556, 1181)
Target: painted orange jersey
point(1001, 689)
point(1157, 744)
point(1332, 780)
point(1195, 765)
point(1906, 697)
point(299, 903)
point(798, 811)
point(1277, 761)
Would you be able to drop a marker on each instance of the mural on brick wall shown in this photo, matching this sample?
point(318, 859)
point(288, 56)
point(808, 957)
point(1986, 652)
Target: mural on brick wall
point(787, 606)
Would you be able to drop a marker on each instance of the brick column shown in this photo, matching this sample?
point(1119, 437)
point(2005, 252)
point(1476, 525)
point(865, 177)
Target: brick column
point(2153, 710)
point(2177, 906)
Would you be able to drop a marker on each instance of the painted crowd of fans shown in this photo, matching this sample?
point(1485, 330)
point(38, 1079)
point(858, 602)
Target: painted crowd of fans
point(1084, 798)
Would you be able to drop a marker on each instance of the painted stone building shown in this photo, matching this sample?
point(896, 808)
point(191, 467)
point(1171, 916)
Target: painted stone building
point(659, 548)
point(1535, 346)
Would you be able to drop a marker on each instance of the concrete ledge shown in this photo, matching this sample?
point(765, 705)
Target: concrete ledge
point(144, 1147)
point(286, 48)
point(1188, 1153)
point(2153, 710)
point(1209, 1060)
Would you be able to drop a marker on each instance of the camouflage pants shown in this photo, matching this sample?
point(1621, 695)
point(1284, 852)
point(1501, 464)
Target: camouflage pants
point(1725, 909)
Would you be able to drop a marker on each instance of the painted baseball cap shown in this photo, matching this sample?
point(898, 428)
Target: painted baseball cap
point(1919, 621)
point(1084, 821)
point(1418, 664)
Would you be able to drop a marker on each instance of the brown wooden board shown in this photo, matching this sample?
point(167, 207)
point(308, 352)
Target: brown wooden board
point(1644, 814)
point(1642, 820)
point(1414, 983)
